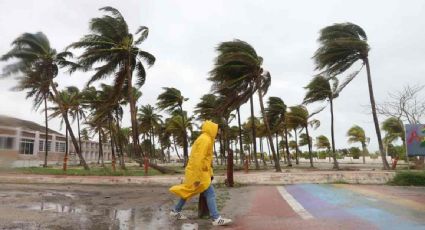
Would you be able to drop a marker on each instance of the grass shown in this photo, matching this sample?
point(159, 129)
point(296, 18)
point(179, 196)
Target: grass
point(409, 178)
point(94, 171)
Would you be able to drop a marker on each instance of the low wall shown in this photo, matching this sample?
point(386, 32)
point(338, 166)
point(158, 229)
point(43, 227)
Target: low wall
point(272, 178)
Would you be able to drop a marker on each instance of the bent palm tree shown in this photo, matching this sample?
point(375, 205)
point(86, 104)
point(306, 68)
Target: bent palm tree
point(36, 59)
point(172, 100)
point(111, 44)
point(342, 45)
point(320, 89)
point(237, 75)
point(357, 134)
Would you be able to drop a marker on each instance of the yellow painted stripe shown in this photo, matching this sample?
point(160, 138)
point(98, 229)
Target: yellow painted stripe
point(386, 197)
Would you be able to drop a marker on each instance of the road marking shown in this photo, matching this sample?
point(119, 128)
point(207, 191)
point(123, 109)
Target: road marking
point(295, 205)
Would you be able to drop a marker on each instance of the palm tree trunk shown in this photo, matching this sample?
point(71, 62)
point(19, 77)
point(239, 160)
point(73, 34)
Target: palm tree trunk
point(175, 148)
point(78, 125)
point(47, 131)
point(309, 146)
point(375, 116)
point(132, 102)
point(254, 138)
point(296, 147)
point(112, 144)
point(269, 134)
point(288, 155)
point(65, 158)
point(71, 133)
point(185, 143)
point(241, 153)
point(101, 148)
point(153, 142)
point(336, 166)
point(364, 152)
point(277, 146)
point(122, 163)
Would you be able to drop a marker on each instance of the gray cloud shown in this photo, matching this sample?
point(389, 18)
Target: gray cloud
point(183, 35)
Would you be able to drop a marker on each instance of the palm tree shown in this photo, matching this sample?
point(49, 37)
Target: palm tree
point(76, 111)
point(357, 134)
point(276, 111)
point(36, 59)
point(172, 100)
point(342, 45)
point(394, 130)
point(150, 121)
point(177, 126)
point(111, 44)
point(322, 142)
point(39, 88)
point(320, 89)
point(252, 124)
point(300, 117)
point(238, 74)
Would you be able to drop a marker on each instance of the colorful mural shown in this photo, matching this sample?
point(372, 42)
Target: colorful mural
point(415, 140)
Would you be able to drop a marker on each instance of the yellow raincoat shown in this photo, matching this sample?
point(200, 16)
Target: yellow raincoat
point(199, 165)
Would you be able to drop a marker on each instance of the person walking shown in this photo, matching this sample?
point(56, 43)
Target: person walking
point(198, 176)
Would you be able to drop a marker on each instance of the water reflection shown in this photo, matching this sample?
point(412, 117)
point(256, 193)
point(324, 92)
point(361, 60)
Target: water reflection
point(111, 218)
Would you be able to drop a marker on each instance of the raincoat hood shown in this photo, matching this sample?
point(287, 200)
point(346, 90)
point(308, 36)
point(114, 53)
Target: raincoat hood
point(210, 128)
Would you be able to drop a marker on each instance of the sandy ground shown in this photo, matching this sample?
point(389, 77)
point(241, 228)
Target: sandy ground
point(31, 206)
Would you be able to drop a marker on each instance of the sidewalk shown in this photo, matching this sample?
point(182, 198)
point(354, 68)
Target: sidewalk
point(251, 178)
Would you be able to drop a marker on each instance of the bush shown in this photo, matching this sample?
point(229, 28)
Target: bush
point(409, 178)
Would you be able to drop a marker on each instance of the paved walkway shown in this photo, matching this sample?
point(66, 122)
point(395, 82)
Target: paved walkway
point(312, 206)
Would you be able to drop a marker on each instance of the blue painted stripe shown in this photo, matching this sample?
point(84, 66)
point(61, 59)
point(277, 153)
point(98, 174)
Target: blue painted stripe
point(360, 206)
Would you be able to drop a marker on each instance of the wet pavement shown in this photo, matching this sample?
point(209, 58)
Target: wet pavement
point(304, 206)
point(33, 206)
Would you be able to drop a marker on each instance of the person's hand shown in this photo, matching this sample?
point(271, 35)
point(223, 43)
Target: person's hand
point(196, 184)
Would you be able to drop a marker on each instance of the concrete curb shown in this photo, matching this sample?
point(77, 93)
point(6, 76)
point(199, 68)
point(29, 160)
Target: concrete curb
point(270, 178)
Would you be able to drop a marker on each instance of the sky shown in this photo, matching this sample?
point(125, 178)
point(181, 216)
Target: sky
point(183, 36)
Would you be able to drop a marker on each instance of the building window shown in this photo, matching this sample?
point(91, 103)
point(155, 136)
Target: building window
point(41, 145)
point(26, 146)
point(6, 142)
point(60, 147)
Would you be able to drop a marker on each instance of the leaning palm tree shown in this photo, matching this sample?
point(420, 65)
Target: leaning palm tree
point(394, 130)
point(342, 45)
point(300, 117)
point(322, 142)
point(38, 87)
point(117, 50)
point(36, 59)
point(237, 75)
point(320, 89)
point(357, 134)
point(172, 100)
point(276, 111)
point(76, 111)
point(150, 121)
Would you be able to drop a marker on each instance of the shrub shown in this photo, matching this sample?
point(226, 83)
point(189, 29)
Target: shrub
point(409, 178)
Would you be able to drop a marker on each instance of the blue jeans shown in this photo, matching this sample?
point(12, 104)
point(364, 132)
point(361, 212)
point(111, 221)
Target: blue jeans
point(212, 206)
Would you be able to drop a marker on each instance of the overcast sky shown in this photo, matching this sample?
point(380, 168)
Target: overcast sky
point(184, 34)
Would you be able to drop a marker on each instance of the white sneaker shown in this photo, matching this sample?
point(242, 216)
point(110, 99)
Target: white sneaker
point(220, 221)
point(178, 215)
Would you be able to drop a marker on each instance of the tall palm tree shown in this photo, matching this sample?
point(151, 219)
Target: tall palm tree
point(357, 134)
point(150, 121)
point(238, 74)
point(340, 46)
point(76, 112)
point(111, 44)
point(38, 87)
point(177, 126)
point(36, 59)
point(322, 142)
point(320, 89)
point(299, 116)
point(394, 130)
point(276, 111)
point(172, 100)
